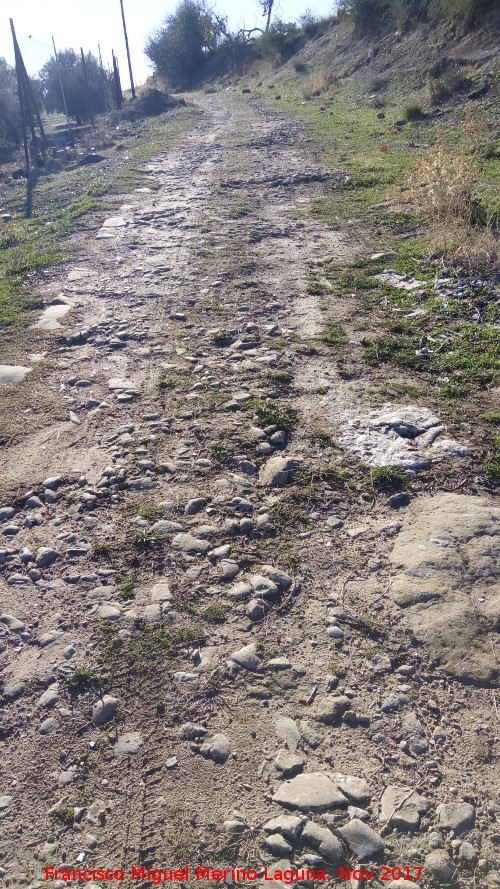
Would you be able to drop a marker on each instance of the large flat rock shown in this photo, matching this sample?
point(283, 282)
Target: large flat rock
point(310, 792)
point(448, 581)
point(407, 436)
point(12, 373)
point(49, 318)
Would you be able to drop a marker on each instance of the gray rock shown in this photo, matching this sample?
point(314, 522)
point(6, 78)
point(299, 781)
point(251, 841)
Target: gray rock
point(33, 503)
point(288, 763)
point(355, 789)
point(53, 482)
point(279, 663)
point(171, 763)
point(402, 807)
point(448, 581)
point(108, 612)
point(361, 839)
point(12, 373)
point(322, 841)
point(288, 825)
point(459, 817)
point(229, 569)
point(49, 696)
point(195, 505)
point(15, 625)
point(104, 710)
point(160, 592)
point(13, 689)
point(5, 801)
point(277, 844)
point(189, 544)
point(395, 702)
point(286, 729)
point(164, 526)
point(47, 726)
point(234, 828)
point(48, 638)
point(129, 743)
point(217, 749)
point(7, 513)
point(190, 731)
point(468, 853)
point(263, 587)
point(329, 710)
point(45, 557)
point(439, 865)
point(355, 812)
point(184, 676)
point(256, 609)
point(240, 590)
point(310, 792)
point(277, 471)
point(247, 657)
point(380, 663)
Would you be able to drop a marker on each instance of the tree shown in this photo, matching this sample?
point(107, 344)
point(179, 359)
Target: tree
point(267, 10)
point(10, 122)
point(181, 47)
point(82, 102)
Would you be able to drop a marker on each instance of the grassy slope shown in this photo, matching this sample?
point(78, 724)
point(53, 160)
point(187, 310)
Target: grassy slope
point(350, 116)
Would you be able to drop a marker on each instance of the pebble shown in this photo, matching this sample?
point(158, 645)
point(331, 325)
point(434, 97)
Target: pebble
point(45, 557)
point(189, 544)
point(217, 749)
point(49, 697)
point(247, 657)
point(104, 710)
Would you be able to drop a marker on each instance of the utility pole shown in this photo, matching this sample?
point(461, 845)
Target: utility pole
point(128, 51)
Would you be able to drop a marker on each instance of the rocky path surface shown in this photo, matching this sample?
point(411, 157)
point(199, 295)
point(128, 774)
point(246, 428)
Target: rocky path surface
point(215, 651)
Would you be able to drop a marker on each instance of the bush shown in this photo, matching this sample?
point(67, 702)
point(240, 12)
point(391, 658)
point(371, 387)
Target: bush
point(181, 48)
point(281, 40)
point(413, 113)
point(82, 103)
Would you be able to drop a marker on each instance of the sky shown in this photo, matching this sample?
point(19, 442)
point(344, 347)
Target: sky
point(87, 23)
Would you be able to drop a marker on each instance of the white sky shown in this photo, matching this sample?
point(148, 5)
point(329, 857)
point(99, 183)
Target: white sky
point(75, 23)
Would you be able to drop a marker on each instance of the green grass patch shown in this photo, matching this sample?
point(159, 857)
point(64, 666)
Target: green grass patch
point(334, 334)
point(491, 465)
point(266, 414)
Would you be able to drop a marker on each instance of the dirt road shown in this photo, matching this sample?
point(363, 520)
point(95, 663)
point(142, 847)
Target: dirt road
point(185, 538)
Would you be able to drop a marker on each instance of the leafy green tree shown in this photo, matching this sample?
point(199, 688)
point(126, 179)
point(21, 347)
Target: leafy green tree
point(82, 102)
point(10, 123)
point(182, 46)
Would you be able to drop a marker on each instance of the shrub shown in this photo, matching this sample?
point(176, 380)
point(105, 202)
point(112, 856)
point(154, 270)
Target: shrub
point(413, 112)
point(280, 41)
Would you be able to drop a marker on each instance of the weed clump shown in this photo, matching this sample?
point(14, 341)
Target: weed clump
point(388, 477)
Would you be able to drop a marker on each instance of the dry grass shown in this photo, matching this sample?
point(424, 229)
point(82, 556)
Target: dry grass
point(445, 185)
point(319, 82)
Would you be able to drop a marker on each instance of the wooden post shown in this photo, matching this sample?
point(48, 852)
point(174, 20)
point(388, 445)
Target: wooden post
point(128, 51)
point(21, 98)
